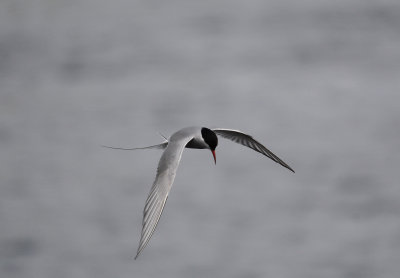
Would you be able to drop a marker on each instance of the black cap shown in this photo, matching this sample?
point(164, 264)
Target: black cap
point(209, 137)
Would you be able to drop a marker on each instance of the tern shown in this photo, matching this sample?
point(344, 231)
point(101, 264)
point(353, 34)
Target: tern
point(193, 138)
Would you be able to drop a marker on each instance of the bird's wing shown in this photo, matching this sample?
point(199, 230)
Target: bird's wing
point(158, 195)
point(159, 146)
point(248, 141)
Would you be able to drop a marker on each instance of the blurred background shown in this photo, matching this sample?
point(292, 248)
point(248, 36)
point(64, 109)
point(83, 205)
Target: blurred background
point(316, 81)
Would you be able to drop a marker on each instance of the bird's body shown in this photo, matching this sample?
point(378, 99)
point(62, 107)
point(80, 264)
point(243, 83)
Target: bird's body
point(196, 140)
point(189, 137)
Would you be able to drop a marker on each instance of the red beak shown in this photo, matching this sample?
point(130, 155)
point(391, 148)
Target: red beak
point(215, 158)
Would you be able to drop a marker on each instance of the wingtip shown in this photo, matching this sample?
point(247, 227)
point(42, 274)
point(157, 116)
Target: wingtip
point(137, 254)
point(289, 168)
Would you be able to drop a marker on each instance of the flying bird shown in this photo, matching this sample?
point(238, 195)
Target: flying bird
point(189, 137)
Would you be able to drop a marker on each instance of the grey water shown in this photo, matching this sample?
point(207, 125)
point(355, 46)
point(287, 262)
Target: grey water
point(317, 82)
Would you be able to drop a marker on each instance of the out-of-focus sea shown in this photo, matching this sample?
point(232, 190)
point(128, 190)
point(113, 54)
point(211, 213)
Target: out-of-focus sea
point(318, 82)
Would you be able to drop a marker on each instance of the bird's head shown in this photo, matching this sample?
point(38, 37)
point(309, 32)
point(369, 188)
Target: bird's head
point(211, 140)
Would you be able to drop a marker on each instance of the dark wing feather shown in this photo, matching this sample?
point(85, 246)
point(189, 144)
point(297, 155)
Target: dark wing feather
point(248, 141)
